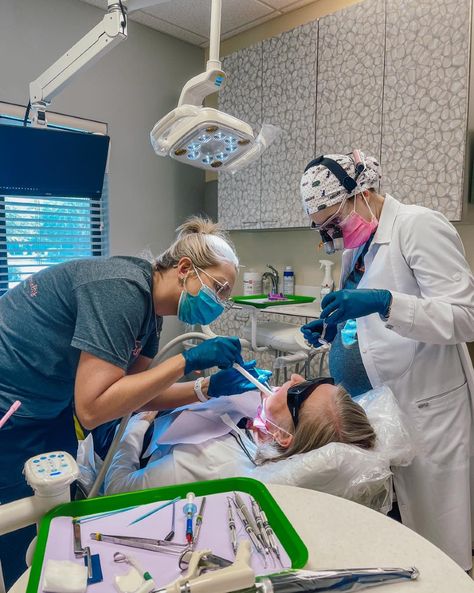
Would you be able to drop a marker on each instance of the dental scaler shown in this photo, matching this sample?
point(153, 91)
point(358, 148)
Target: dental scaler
point(189, 510)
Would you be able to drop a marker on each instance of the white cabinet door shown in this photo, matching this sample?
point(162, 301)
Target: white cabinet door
point(289, 101)
point(350, 79)
point(425, 102)
point(239, 194)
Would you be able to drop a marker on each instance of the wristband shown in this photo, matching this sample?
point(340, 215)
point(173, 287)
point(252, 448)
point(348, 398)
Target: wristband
point(198, 391)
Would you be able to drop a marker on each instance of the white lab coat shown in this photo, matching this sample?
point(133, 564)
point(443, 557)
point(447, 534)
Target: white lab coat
point(420, 353)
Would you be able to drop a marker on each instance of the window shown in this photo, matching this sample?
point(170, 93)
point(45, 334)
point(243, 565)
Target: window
point(40, 231)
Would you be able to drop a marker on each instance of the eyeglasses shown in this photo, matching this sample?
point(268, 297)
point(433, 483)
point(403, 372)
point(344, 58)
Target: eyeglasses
point(297, 394)
point(333, 220)
point(221, 289)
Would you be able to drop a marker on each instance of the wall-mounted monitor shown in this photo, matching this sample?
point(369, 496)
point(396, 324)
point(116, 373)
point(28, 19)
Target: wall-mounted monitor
point(50, 162)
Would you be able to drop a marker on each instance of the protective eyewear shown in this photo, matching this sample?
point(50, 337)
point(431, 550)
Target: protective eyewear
point(297, 394)
point(222, 290)
point(332, 220)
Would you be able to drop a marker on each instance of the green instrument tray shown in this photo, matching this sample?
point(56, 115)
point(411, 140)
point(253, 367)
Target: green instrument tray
point(283, 529)
point(261, 301)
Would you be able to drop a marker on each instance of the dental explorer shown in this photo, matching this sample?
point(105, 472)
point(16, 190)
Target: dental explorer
point(232, 529)
point(271, 536)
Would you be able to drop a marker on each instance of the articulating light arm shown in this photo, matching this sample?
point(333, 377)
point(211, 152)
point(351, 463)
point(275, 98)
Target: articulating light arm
point(199, 87)
point(100, 40)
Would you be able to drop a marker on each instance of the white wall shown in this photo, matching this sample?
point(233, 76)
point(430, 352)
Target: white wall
point(129, 89)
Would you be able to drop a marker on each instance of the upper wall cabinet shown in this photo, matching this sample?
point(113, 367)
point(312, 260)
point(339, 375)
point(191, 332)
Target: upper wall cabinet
point(350, 79)
point(388, 76)
point(289, 101)
point(239, 194)
point(425, 102)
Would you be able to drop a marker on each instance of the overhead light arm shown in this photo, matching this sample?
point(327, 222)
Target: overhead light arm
point(199, 87)
point(99, 41)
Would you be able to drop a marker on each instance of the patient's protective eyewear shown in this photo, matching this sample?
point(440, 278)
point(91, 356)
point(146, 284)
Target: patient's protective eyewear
point(297, 394)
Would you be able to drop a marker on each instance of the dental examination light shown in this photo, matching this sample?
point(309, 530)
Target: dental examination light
point(100, 40)
point(202, 136)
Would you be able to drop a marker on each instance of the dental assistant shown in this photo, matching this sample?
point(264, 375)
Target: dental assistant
point(401, 317)
point(82, 335)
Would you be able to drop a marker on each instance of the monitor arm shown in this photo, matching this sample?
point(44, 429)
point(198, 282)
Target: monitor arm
point(100, 40)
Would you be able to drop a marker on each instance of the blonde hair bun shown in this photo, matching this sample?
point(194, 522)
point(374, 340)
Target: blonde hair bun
point(199, 225)
point(201, 239)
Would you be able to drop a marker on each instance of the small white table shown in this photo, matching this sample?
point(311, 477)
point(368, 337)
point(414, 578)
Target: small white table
point(342, 534)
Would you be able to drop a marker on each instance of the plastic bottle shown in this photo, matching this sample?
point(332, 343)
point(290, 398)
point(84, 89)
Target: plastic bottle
point(327, 284)
point(288, 281)
point(252, 283)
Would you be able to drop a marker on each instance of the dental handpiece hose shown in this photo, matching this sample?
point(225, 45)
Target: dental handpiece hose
point(189, 510)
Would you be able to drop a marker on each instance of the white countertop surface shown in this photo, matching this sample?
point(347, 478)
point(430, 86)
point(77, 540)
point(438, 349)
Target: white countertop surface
point(342, 534)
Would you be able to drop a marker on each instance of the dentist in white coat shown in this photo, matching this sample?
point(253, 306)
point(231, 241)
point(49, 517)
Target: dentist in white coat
point(406, 283)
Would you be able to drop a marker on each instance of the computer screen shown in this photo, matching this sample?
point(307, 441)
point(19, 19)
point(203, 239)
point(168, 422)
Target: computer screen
point(51, 162)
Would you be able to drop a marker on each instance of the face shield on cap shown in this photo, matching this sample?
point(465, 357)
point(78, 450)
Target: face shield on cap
point(330, 180)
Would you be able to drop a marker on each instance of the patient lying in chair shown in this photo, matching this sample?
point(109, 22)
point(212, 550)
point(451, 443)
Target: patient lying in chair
point(203, 441)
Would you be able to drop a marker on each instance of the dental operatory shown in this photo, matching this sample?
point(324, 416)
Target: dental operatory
point(236, 296)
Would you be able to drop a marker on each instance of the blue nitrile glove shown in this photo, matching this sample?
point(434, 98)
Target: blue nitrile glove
point(347, 304)
point(217, 352)
point(230, 381)
point(312, 332)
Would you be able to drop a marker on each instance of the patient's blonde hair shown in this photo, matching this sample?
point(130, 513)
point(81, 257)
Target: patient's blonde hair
point(343, 422)
point(203, 241)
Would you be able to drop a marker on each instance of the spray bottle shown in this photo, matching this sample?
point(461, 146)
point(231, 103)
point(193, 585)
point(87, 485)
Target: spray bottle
point(327, 284)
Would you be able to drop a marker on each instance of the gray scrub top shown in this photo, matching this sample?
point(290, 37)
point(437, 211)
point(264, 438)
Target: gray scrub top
point(103, 306)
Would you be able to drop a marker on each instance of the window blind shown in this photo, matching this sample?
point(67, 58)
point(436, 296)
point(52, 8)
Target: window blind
point(40, 231)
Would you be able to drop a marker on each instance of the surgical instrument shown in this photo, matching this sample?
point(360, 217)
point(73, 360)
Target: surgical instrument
point(350, 579)
point(162, 506)
point(232, 529)
point(142, 543)
point(199, 521)
point(207, 560)
point(271, 535)
point(253, 380)
point(244, 516)
point(236, 576)
point(13, 408)
point(189, 510)
point(170, 535)
point(261, 533)
point(79, 551)
point(239, 577)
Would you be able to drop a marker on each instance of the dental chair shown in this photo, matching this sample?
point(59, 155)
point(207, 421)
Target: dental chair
point(363, 476)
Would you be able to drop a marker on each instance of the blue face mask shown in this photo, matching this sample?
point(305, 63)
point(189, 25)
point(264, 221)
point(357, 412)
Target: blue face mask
point(203, 308)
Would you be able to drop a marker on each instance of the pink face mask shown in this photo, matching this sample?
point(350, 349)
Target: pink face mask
point(261, 420)
point(356, 230)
